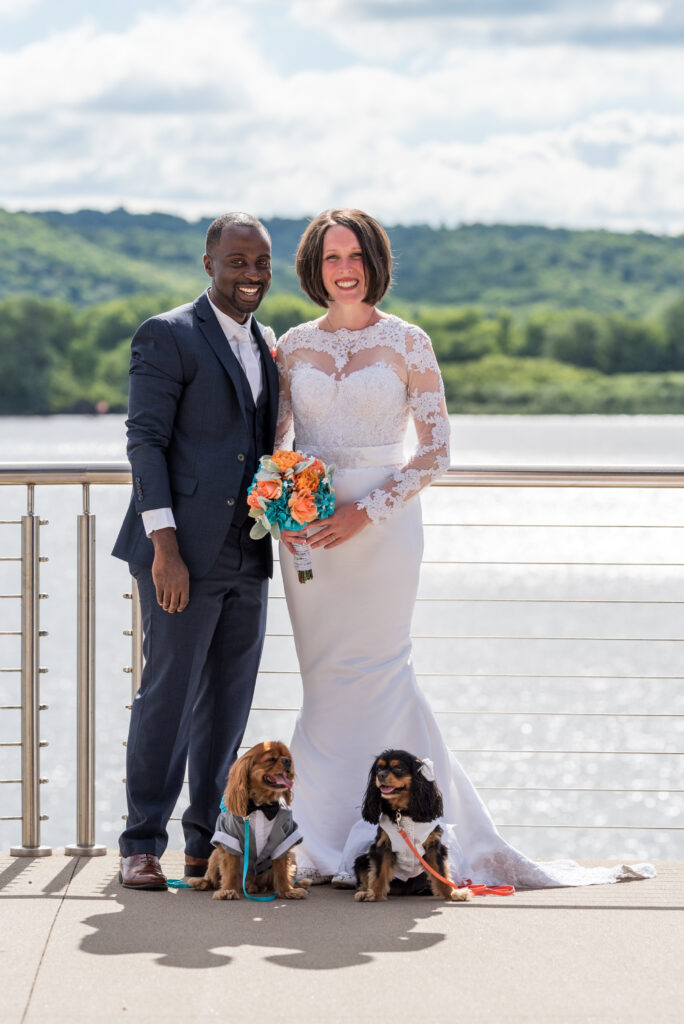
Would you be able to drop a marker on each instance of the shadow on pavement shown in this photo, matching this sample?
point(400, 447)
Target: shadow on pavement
point(328, 930)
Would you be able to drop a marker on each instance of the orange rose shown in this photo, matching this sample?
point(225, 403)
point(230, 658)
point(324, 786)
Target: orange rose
point(286, 460)
point(317, 467)
point(303, 508)
point(307, 480)
point(253, 499)
point(269, 489)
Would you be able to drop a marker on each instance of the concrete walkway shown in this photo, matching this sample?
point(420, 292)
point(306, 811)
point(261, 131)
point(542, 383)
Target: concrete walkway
point(75, 946)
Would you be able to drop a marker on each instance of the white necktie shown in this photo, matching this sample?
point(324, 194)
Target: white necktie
point(247, 358)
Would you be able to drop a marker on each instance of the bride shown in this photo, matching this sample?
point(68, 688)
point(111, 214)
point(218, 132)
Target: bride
point(348, 383)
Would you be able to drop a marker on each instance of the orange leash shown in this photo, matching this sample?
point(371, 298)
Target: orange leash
point(477, 888)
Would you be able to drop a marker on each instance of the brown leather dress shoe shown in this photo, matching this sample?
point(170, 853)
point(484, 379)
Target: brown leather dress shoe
point(142, 871)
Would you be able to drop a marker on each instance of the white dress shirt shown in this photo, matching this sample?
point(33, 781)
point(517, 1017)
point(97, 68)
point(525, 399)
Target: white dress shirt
point(245, 348)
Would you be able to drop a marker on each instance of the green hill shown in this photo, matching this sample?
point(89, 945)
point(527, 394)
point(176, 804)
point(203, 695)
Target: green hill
point(522, 319)
point(89, 257)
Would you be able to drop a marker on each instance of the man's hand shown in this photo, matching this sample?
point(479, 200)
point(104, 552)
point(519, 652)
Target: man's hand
point(169, 571)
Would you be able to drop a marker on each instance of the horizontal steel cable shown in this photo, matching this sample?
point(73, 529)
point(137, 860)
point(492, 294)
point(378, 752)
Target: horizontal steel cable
point(563, 526)
point(527, 600)
point(573, 789)
point(543, 789)
point(541, 750)
point(614, 828)
point(584, 565)
point(485, 675)
point(547, 714)
point(494, 636)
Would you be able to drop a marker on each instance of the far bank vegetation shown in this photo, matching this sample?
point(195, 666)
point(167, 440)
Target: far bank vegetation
point(523, 319)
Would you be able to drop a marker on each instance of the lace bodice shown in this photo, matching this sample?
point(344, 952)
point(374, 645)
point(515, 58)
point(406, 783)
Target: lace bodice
point(356, 389)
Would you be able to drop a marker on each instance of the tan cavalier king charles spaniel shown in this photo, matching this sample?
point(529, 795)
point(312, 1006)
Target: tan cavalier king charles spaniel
point(259, 790)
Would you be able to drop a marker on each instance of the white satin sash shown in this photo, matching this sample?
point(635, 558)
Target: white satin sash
point(366, 457)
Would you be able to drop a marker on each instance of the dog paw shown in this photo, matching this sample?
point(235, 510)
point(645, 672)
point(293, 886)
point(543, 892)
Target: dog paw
point(303, 883)
point(226, 894)
point(293, 894)
point(199, 883)
point(364, 896)
point(460, 895)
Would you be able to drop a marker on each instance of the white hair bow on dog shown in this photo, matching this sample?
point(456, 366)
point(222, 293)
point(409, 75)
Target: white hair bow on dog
point(427, 769)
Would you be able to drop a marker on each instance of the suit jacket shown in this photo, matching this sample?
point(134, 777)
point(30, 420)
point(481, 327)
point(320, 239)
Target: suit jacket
point(188, 432)
point(230, 834)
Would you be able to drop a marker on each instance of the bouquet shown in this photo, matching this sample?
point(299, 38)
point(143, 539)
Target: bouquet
point(289, 491)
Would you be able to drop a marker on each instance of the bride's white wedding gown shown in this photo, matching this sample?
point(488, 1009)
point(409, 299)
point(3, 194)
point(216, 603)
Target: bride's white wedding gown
point(349, 395)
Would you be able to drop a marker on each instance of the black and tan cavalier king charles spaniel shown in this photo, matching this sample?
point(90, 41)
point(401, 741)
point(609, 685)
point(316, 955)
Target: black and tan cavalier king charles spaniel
point(401, 792)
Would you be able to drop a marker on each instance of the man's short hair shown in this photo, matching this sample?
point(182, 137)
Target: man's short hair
point(375, 250)
point(231, 220)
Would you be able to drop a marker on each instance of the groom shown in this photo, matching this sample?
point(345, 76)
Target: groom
point(202, 409)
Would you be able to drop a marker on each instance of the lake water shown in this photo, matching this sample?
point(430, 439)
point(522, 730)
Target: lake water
point(518, 617)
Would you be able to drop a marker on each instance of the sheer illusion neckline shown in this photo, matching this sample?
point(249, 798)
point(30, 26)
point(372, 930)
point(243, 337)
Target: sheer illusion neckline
point(349, 330)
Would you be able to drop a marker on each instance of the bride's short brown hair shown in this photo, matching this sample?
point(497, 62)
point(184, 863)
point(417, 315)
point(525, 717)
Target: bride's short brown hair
point(375, 249)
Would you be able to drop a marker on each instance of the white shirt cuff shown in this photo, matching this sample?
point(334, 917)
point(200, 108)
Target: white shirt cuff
point(157, 519)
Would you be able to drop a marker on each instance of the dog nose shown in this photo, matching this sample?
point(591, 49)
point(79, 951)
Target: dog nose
point(287, 763)
point(382, 774)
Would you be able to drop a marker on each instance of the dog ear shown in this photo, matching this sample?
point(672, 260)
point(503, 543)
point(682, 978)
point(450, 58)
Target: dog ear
point(371, 808)
point(285, 752)
point(237, 789)
point(425, 803)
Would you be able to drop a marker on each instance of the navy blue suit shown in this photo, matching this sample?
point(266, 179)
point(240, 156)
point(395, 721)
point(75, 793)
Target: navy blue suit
point(194, 438)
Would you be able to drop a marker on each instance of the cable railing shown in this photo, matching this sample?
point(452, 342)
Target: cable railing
point(439, 636)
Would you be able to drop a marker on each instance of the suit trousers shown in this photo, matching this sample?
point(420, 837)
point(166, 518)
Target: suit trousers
point(195, 696)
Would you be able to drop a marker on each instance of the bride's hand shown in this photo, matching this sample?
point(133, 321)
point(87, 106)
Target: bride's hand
point(344, 523)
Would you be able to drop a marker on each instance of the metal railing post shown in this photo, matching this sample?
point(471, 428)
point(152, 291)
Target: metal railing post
point(137, 640)
point(85, 845)
point(30, 686)
point(134, 670)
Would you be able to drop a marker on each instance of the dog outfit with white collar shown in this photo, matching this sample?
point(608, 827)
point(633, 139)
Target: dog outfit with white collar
point(272, 831)
point(407, 864)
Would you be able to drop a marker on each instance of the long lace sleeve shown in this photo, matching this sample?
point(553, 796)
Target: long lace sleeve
point(284, 425)
point(428, 408)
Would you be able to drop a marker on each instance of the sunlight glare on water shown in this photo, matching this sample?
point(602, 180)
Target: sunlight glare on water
point(480, 676)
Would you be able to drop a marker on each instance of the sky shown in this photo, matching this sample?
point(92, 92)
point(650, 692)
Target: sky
point(556, 112)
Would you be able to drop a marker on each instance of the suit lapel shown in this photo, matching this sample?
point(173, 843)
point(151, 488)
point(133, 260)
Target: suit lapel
point(211, 329)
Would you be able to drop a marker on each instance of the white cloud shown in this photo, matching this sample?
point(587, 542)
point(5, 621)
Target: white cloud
point(15, 9)
point(375, 28)
point(186, 113)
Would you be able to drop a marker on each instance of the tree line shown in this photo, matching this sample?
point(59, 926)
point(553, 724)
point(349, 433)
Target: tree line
point(89, 256)
point(57, 357)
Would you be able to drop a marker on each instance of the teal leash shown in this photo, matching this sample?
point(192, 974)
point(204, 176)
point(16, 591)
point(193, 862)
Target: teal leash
point(245, 865)
point(177, 883)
